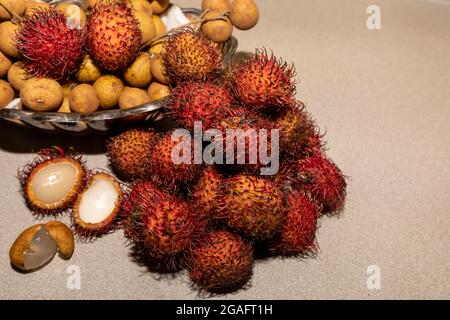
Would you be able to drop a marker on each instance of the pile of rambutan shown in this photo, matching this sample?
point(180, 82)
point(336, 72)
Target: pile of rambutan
point(211, 217)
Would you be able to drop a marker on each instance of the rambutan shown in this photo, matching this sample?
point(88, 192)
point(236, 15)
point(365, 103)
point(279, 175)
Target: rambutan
point(129, 153)
point(251, 205)
point(204, 194)
point(244, 137)
point(172, 162)
point(114, 36)
point(48, 46)
point(221, 260)
point(188, 55)
point(97, 208)
point(296, 128)
point(161, 224)
point(298, 233)
point(52, 181)
point(262, 81)
point(197, 101)
point(322, 179)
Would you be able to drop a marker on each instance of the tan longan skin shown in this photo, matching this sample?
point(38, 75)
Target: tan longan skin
point(16, 6)
point(5, 64)
point(146, 25)
point(142, 5)
point(92, 3)
point(7, 35)
point(158, 91)
point(158, 70)
point(138, 74)
point(157, 47)
point(41, 94)
point(88, 72)
point(133, 97)
point(6, 93)
point(108, 89)
point(244, 14)
point(72, 11)
point(17, 75)
point(65, 106)
point(219, 5)
point(68, 86)
point(33, 5)
point(218, 30)
point(83, 99)
point(160, 27)
point(63, 237)
point(159, 6)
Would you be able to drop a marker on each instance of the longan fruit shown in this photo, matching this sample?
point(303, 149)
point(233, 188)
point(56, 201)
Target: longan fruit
point(218, 5)
point(65, 106)
point(92, 3)
point(33, 5)
point(160, 27)
point(158, 91)
point(73, 13)
point(6, 93)
point(244, 14)
point(68, 86)
point(5, 64)
point(133, 97)
point(159, 6)
point(83, 99)
point(88, 71)
point(157, 47)
point(158, 70)
point(138, 73)
point(17, 75)
point(142, 5)
point(217, 30)
point(16, 6)
point(146, 25)
point(8, 44)
point(108, 89)
point(41, 94)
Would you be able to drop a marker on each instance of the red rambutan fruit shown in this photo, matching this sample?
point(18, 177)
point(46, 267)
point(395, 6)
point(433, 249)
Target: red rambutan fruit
point(322, 179)
point(52, 181)
point(172, 162)
point(204, 194)
point(197, 101)
point(188, 55)
point(129, 153)
point(298, 233)
point(262, 81)
point(221, 260)
point(160, 224)
point(48, 45)
point(251, 205)
point(114, 37)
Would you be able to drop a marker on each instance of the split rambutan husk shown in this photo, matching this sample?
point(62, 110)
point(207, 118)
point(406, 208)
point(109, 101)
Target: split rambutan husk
point(161, 226)
point(91, 230)
point(200, 101)
point(321, 178)
point(48, 45)
point(221, 261)
point(129, 153)
point(263, 83)
point(188, 55)
point(251, 205)
point(114, 36)
point(45, 159)
point(298, 233)
point(164, 172)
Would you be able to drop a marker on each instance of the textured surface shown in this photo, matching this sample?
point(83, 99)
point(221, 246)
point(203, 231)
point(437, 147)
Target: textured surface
point(383, 97)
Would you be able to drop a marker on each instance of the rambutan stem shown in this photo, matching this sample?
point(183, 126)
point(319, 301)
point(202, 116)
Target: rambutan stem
point(201, 20)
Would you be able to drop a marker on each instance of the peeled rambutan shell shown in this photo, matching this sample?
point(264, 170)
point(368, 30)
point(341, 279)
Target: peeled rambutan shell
point(221, 260)
point(51, 185)
point(97, 207)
